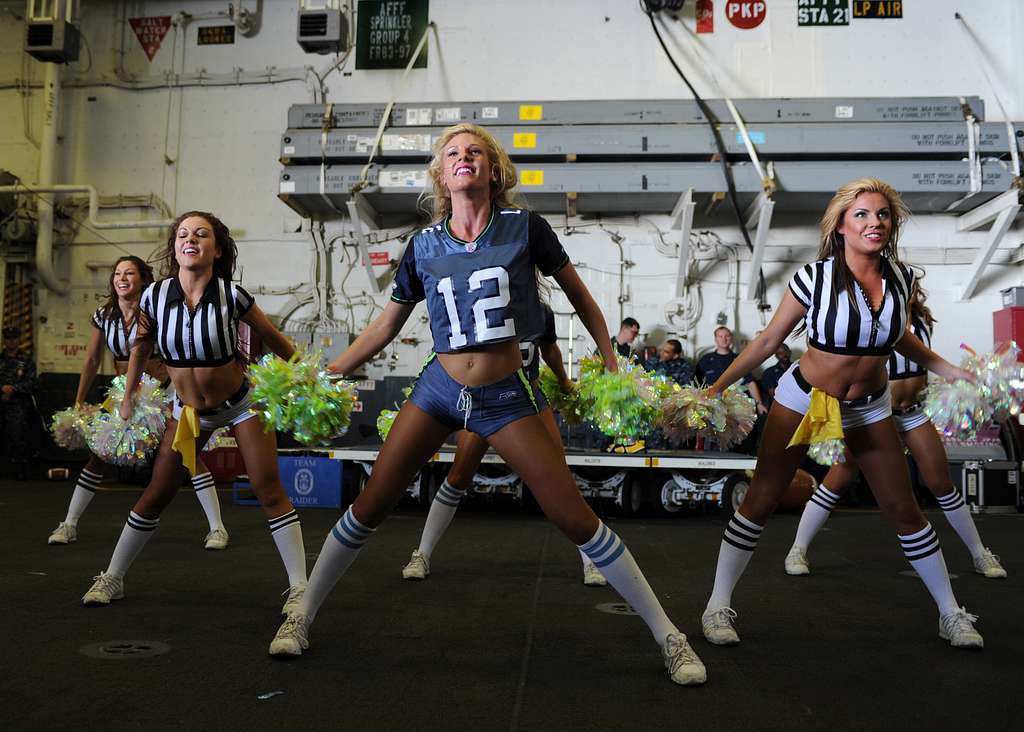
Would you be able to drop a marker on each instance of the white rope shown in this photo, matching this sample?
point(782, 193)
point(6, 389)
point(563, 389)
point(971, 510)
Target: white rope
point(387, 110)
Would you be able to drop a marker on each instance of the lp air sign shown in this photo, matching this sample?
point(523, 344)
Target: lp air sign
point(746, 14)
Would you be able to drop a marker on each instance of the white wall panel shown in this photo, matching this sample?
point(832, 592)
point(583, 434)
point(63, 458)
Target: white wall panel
point(223, 142)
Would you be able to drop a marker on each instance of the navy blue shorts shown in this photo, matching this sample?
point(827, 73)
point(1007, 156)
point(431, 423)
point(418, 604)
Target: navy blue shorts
point(481, 409)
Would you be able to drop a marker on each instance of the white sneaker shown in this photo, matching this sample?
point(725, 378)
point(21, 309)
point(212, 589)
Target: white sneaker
point(719, 626)
point(418, 567)
point(291, 604)
point(684, 667)
point(107, 587)
point(592, 576)
point(796, 562)
point(292, 637)
point(987, 564)
point(65, 534)
point(958, 628)
point(216, 540)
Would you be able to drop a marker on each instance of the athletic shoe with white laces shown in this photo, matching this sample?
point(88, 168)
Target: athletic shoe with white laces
point(987, 564)
point(65, 534)
point(291, 604)
point(107, 587)
point(684, 667)
point(592, 576)
point(292, 637)
point(958, 628)
point(418, 567)
point(216, 540)
point(796, 562)
point(719, 626)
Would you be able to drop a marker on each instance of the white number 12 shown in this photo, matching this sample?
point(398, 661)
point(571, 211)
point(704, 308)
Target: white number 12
point(482, 330)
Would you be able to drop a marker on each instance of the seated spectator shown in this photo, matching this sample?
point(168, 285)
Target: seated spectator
point(669, 362)
point(771, 375)
point(623, 342)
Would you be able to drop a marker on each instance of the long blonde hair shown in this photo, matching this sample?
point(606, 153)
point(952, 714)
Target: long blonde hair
point(832, 242)
point(503, 181)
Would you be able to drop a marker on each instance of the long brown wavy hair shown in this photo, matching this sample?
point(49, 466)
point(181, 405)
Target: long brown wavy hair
point(918, 298)
point(109, 306)
point(223, 266)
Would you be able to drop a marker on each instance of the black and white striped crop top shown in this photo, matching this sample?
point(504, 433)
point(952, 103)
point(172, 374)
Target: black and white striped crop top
point(207, 336)
point(901, 367)
point(837, 325)
point(118, 336)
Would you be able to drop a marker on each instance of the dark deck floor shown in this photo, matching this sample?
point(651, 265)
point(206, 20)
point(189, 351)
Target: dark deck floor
point(502, 636)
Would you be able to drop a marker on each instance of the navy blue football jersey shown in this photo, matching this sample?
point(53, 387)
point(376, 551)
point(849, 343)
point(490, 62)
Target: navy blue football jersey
point(483, 291)
point(529, 350)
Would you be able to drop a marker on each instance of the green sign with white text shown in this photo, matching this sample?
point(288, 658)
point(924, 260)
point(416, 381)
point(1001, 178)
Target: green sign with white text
point(823, 12)
point(387, 32)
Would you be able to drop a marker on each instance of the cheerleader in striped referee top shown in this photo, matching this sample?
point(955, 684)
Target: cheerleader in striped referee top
point(191, 318)
point(854, 302)
point(115, 326)
point(906, 382)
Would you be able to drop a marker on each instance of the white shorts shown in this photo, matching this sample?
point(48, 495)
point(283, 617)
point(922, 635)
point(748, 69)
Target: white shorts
point(235, 410)
point(911, 418)
point(793, 392)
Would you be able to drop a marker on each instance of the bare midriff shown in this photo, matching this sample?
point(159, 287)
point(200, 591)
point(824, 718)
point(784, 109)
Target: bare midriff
point(482, 365)
point(845, 377)
point(906, 392)
point(206, 387)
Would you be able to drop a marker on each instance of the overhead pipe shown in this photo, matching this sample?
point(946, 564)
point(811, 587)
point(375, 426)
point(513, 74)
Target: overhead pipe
point(94, 205)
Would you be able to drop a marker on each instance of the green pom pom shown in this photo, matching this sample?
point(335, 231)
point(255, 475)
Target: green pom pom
point(623, 404)
point(297, 396)
point(567, 404)
point(385, 420)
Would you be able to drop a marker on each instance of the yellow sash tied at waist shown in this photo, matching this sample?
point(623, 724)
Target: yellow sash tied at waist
point(185, 437)
point(822, 422)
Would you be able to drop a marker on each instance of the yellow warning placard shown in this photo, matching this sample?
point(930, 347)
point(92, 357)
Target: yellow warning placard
point(531, 112)
point(524, 139)
point(531, 177)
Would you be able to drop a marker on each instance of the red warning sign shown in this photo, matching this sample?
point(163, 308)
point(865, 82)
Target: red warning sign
point(150, 32)
point(746, 14)
point(379, 258)
point(705, 16)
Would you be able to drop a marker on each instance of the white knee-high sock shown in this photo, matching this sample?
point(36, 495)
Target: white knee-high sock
point(206, 492)
point(442, 511)
point(815, 514)
point(136, 532)
point(287, 533)
point(85, 489)
point(959, 517)
point(738, 544)
point(922, 550)
point(611, 556)
point(341, 547)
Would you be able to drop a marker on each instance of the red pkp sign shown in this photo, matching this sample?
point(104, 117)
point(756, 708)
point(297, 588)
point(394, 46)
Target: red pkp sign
point(746, 14)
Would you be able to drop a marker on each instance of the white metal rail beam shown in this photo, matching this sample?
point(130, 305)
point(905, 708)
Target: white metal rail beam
point(1000, 212)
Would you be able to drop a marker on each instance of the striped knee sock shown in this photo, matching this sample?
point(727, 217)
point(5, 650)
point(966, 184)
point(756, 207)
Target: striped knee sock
point(442, 511)
point(815, 514)
point(137, 531)
point(738, 544)
point(959, 517)
point(611, 556)
point(339, 551)
point(206, 492)
point(287, 534)
point(85, 489)
point(922, 550)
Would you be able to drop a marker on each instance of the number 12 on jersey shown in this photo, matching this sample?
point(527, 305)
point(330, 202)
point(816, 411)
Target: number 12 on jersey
point(483, 332)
